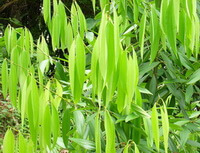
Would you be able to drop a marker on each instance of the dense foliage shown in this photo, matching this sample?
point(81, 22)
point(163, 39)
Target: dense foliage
point(127, 80)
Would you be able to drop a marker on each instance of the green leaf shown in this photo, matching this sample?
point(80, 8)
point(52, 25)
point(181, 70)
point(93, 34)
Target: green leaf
point(43, 54)
point(55, 130)
point(136, 149)
point(158, 3)
point(184, 136)
point(79, 122)
point(63, 26)
point(47, 10)
point(77, 67)
point(94, 5)
point(146, 67)
point(138, 110)
point(4, 78)
point(30, 147)
point(110, 133)
point(7, 36)
point(33, 108)
point(135, 10)
point(197, 39)
point(194, 77)
point(193, 143)
point(155, 33)
point(46, 127)
point(194, 114)
point(69, 36)
point(148, 131)
point(126, 148)
point(80, 60)
point(9, 142)
point(66, 126)
point(144, 90)
point(103, 3)
point(142, 33)
point(131, 117)
point(72, 67)
point(74, 19)
point(165, 126)
point(189, 93)
point(171, 28)
point(22, 144)
point(58, 96)
point(13, 79)
point(122, 84)
point(155, 127)
point(55, 27)
point(24, 99)
point(97, 133)
point(87, 144)
point(30, 111)
point(82, 22)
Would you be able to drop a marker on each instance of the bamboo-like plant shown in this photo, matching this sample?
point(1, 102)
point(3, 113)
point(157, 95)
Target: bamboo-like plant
point(131, 83)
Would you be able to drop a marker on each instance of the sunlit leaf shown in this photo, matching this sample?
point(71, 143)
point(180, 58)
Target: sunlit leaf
point(9, 142)
point(155, 127)
point(110, 133)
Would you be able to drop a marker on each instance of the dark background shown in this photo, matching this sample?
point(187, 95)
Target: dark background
point(28, 13)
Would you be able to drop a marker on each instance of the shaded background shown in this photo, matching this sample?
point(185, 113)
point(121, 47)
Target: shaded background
point(28, 13)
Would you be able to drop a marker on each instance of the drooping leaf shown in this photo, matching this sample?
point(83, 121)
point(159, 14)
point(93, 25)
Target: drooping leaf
point(155, 127)
point(4, 78)
point(46, 127)
point(55, 130)
point(47, 10)
point(58, 96)
point(142, 33)
point(77, 67)
point(155, 33)
point(110, 133)
point(66, 126)
point(165, 126)
point(97, 134)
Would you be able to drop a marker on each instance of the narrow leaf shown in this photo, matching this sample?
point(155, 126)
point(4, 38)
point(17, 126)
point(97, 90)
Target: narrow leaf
point(155, 127)
point(110, 133)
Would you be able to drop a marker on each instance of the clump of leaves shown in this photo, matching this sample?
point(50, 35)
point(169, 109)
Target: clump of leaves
point(131, 83)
